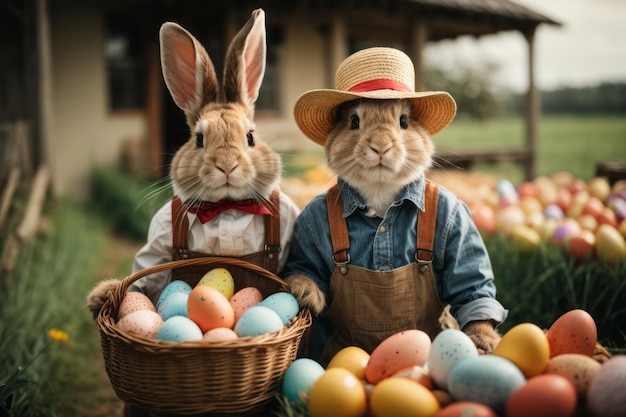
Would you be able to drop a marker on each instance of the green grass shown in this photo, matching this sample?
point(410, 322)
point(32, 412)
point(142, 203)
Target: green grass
point(566, 143)
point(47, 290)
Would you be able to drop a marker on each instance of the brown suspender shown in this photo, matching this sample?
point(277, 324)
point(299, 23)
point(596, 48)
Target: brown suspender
point(426, 223)
point(338, 227)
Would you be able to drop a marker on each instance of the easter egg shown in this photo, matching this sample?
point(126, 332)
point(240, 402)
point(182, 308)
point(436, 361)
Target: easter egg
point(484, 218)
point(448, 348)
point(174, 305)
point(486, 379)
point(577, 368)
point(552, 211)
point(221, 280)
point(209, 308)
point(547, 395)
point(244, 299)
point(299, 379)
point(606, 392)
point(394, 397)
point(351, 358)
point(527, 189)
point(172, 287)
point(573, 332)
point(220, 334)
point(337, 393)
point(141, 323)
point(524, 238)
point(599, 187)
point(618, 205)
point(565, 232)
point(509, 217)
point(258, 320)
point(179, 329)
point(284, 304)
point(505, 187)
point(134, 301)
point(583, 246)
point(398, 351)
point(526, 345)
point(610, 244)
point(466, 409)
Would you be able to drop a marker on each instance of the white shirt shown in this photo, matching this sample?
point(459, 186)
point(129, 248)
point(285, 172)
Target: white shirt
point(230, 233)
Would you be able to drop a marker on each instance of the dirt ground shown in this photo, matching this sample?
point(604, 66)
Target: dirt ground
point(106, 404)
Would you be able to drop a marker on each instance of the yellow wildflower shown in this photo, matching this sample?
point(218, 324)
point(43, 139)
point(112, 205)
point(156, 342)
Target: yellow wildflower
point(58, 335)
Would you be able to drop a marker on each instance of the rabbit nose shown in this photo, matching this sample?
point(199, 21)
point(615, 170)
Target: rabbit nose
point(379, 150)
point(227, 170)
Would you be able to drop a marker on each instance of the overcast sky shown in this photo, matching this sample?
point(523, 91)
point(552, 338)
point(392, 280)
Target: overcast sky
point(589, 48)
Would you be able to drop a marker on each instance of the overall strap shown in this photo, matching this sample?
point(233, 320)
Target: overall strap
point(180, 228)
point(338, 227)
point(272, 231)
point(426, 223)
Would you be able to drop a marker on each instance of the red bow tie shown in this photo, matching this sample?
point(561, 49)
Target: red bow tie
point(208, 209)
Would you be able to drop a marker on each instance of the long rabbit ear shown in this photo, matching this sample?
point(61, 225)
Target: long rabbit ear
point(245, 61)
point(187, 69)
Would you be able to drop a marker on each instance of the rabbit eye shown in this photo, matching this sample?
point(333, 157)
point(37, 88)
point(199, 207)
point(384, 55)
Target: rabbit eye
point(250, 139)
point(404, 121)
point(199, 140)
point(354, 122)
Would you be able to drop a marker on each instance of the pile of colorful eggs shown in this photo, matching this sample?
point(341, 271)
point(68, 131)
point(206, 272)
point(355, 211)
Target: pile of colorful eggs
point(210, 311)
point(531, 372)
point(587, 219)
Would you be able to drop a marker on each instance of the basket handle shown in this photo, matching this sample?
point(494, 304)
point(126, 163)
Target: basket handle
point(117, 295)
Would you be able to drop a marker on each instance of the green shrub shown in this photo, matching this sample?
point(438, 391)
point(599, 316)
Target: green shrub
point(127, 204)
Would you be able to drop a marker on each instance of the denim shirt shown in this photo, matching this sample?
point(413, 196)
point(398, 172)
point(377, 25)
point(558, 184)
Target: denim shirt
point(461, 264)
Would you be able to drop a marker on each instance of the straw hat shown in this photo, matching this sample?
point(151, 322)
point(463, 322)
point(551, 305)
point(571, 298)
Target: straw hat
point(376, 73)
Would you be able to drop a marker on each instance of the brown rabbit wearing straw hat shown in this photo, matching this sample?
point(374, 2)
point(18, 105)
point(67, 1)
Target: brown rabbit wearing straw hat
point(385, 250)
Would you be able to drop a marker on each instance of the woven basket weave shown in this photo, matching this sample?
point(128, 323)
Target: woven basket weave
point(240, 376)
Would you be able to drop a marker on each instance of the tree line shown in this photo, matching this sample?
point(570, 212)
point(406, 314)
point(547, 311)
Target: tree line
point(477, 97)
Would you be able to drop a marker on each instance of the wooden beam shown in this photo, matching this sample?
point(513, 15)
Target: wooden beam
point(7, 193)
point(154, 113)
point(532, 107)
point(44, 54)
point(338, 47)
point(36, 199)
point(419, 32)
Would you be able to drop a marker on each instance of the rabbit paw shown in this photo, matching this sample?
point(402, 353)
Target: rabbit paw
point(307, 293)
point(483, 335)
point(99, 294)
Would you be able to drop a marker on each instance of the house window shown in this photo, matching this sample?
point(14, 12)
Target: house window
point(125, 64)
point(269, 95)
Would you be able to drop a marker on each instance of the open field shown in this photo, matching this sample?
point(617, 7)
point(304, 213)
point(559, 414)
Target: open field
point(572, 143)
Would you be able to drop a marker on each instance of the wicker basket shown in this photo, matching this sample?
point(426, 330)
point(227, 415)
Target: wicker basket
point(234, 377)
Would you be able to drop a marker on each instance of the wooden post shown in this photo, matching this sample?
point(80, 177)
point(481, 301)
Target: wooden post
point(154, 112)
point(532, 108)
point(338, 47)
point(45, 89)
point(417, 43)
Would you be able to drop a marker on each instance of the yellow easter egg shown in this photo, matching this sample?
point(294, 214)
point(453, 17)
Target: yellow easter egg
point(352, 358)
point(526, 345)
point(221, 280)
point(337, 393)
point(525, 238)
point(394, 397)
